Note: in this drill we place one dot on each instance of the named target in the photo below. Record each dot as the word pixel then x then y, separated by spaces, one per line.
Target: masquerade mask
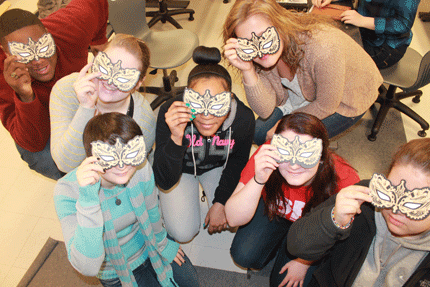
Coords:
pixel 305 154
pixel 218 105
pixel 43 48
pixel 131 153
pixel 123 79
pixel 415 204
pixel 267 43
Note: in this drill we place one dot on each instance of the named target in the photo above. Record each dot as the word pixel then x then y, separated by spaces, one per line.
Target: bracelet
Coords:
pixel 337 224
pixel 260 183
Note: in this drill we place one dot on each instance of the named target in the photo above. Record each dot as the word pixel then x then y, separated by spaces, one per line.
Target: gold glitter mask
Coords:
pixel 267 43
pixel 42 48
pixel 305 154
pixel 415 204
pixel 123 78
pixel 218 105
pixel 132 153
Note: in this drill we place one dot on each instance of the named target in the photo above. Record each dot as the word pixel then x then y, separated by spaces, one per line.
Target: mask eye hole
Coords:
pixel 306 154
pixel 248 51
pixel 122 80
pixel 383 196
pixel 411 205
pixel 107 157
pixel 103 70
pixel 283 151
pixel 132 154
pixel 217 107
pixel 25 54
pixel 267 45
pixel 43 49
pixel 195 105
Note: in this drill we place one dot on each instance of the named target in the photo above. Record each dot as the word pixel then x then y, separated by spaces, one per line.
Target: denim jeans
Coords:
pixel 41 161
pixel 145 275
pixel 385 56
pixel 263 126
pixel 259 241
pixel 335 124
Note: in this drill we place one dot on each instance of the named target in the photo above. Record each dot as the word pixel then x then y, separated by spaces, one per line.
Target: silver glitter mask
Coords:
pixel 305 154
pixel 132 153
pixel 42 48
pixel 267 43
pixel 218 105
pixel 415 204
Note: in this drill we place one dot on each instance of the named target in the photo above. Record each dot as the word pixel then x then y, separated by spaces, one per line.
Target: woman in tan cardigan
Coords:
pixel 298 62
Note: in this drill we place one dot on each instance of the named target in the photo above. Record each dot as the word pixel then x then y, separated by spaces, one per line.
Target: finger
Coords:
pixel 91 76
pixel 84 70
pixel 284 282
pixel 177 261
pixel 285 267
pixel 181 251
pixel 207 218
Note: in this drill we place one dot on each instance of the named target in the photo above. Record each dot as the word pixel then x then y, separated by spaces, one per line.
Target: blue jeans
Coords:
pixel 41 161
pixel 335 124
pixel 146 276
pixel 259 241
pixel 263 126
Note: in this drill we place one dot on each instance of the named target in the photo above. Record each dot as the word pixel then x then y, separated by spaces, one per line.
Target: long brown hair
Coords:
pixel 290 25
pixel 323 185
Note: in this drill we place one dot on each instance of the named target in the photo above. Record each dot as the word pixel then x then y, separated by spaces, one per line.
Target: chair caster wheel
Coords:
pixel 416 99
pixel 422 133
pixel 371 138
pixel 191 18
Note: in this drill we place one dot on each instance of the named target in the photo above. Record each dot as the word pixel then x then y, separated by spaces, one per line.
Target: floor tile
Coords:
pixel 19 229
pixel 43 229
pixel 13 277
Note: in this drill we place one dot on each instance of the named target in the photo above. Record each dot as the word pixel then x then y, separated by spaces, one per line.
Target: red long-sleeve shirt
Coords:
pixel 74 28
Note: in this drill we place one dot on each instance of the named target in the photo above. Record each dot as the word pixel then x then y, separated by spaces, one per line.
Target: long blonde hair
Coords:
pixel 290 25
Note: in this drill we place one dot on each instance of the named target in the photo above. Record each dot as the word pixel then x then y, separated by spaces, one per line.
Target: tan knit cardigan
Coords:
pixel 335 75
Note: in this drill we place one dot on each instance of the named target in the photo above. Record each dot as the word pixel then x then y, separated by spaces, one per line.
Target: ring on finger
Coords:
pixel 14 75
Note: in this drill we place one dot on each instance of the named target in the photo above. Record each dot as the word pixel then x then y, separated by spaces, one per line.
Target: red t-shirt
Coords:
pixel 295 198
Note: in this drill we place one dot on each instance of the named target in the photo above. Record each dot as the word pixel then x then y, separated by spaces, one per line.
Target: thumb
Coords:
pixel 206 221
pixel 284 268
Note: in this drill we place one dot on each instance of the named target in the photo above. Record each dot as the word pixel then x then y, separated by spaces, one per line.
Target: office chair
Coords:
pixel 169 49
pixel 164 14
pixel 411 73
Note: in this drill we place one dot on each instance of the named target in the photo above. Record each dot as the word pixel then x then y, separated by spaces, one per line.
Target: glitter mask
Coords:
pixel 43 48
pixel 267 43
pixel 123 78
pixel 305 154
pixel 218 105
pixel 132 153
pixel 415 204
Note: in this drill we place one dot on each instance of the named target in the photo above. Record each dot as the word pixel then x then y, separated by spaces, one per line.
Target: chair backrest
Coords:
pixel 423 74
pixel 129 17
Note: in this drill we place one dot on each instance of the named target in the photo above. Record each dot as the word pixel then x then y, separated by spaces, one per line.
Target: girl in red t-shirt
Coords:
pixel 282 180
